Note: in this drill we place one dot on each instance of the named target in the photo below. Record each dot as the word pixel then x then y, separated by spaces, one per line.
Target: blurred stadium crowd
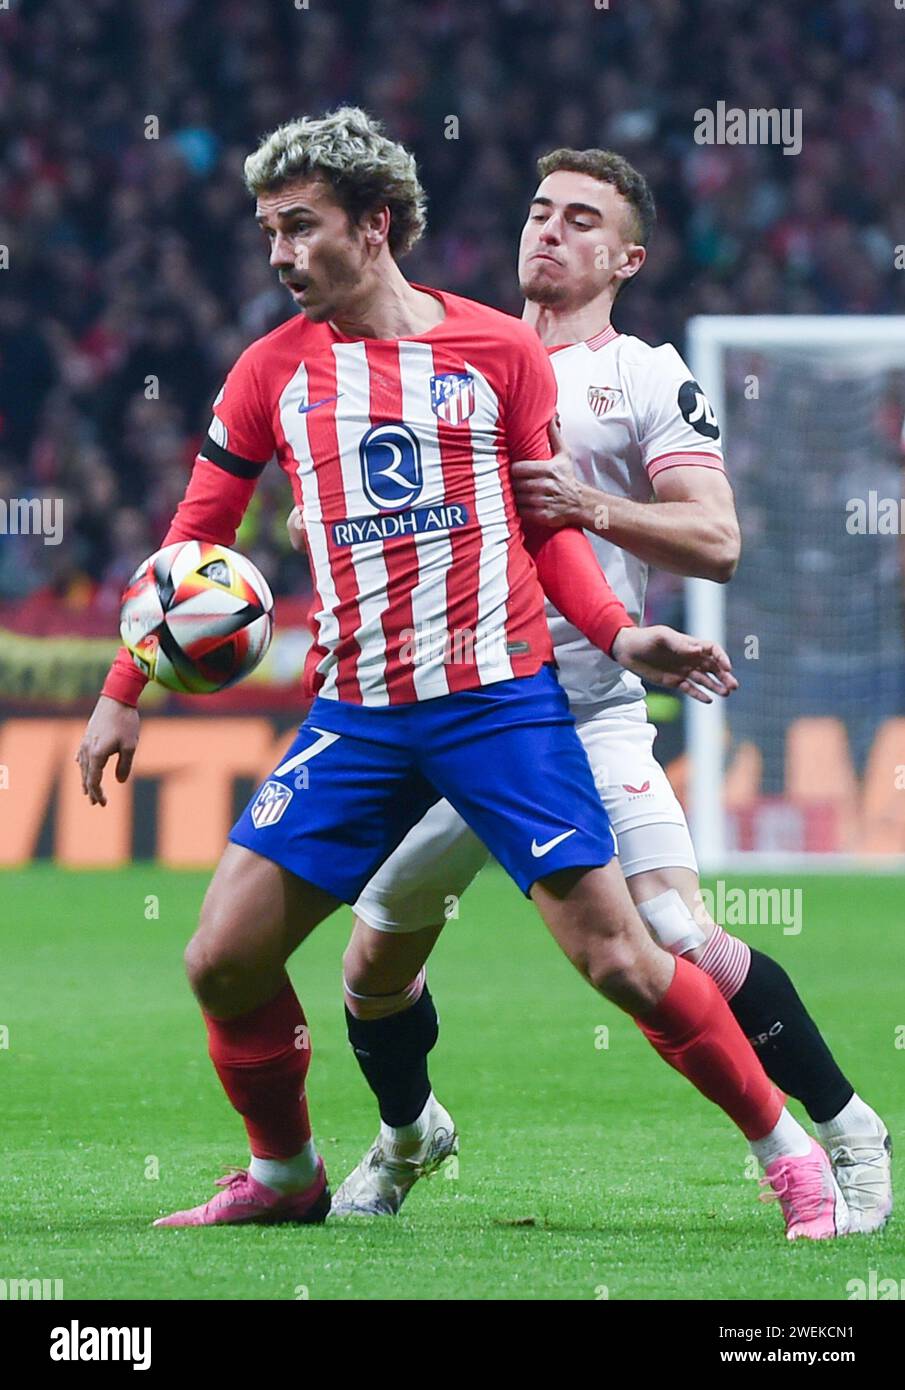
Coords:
pixel 135 258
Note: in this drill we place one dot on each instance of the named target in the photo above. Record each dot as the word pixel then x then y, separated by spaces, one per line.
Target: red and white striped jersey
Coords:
pixel 398 452
pixel 627 412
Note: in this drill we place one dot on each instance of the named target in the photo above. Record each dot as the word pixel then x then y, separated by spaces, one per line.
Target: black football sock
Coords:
pixel 788 1041
pixel 392 1053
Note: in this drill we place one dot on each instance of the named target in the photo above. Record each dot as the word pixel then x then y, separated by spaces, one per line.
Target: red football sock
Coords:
pixel 694 1030
pixel 262 1060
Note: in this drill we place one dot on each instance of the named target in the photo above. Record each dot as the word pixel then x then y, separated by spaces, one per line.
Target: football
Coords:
pixel 196 617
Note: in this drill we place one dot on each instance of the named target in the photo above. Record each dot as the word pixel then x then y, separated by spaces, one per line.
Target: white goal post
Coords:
pixel 810 409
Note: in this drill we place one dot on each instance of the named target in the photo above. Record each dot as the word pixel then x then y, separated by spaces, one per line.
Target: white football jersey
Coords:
pixel 627 412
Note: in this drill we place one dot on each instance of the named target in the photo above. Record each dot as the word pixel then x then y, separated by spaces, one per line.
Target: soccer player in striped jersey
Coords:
pixel 398 411
pixel 642 472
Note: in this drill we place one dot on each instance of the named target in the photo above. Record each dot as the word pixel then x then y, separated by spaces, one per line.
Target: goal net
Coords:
pixel 806 763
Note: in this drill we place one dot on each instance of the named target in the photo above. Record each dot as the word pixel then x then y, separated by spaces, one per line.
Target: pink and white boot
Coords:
pixel 812 1203
pixel 243 1199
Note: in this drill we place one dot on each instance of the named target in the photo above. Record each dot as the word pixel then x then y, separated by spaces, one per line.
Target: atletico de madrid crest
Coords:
pixel 602 398
pixel 453 396
pixel 269 804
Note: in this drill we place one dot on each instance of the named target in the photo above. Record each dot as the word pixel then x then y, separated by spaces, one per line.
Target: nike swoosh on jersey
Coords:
pixel 303 408
pixel 540 850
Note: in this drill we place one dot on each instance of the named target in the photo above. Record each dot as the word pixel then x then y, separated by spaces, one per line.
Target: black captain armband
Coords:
pixel 230 463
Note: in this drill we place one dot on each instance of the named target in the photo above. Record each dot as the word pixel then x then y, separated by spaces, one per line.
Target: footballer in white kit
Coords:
pixel 641 471
pixel 628 412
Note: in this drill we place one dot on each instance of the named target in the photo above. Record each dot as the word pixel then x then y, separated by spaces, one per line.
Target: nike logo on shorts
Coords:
pixel 540 850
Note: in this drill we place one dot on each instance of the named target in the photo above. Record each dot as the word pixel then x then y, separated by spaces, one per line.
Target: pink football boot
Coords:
pixel 243 1198
pixel 812 1204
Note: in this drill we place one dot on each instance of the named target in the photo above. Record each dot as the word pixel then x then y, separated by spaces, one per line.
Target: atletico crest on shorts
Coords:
pixel 602 398
pixel 453 396
pixel 270 803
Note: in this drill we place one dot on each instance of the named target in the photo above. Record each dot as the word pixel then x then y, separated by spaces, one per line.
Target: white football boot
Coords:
pixel 388 1171
pixel 863 1169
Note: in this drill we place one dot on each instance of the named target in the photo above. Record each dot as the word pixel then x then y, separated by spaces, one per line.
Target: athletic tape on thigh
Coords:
pixel 671 922
pixel 371 1006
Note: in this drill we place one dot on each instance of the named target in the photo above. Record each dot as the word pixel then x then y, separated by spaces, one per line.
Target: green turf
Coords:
pixel 581 1168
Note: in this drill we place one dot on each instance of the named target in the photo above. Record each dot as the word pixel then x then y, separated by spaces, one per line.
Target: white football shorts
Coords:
pixel 422 880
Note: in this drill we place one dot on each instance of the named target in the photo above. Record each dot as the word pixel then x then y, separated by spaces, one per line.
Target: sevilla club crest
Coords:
pixel 602 398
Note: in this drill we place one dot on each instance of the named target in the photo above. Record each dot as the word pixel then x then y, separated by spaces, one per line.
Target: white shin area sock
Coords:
pixel 854 1118
pixel 413 1133
pixel 786 1139
pixel 287 1174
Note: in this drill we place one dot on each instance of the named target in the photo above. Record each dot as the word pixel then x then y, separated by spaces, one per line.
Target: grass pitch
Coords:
pixel 587 1170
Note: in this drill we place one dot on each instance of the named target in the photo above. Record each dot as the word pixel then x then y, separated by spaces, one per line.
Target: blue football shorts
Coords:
pixel 357 778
